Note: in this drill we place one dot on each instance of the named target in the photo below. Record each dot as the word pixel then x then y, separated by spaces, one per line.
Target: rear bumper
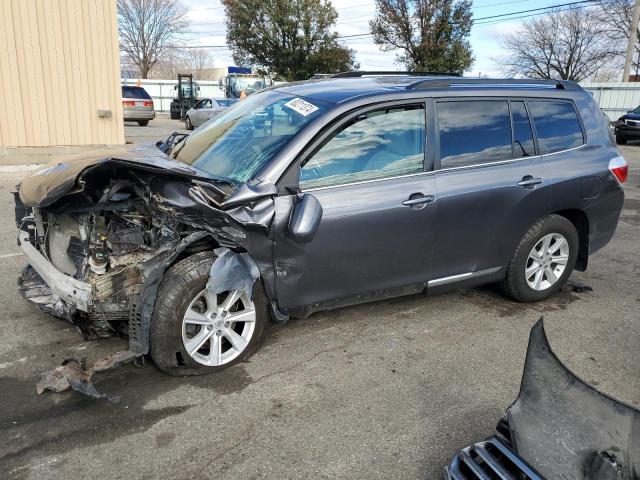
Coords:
pixel 73 292
pixel 135 115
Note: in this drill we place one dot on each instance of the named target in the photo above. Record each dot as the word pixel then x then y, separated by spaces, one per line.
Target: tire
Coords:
pixel 143 123
pixel 516 285
pixel 620 140
pixel 187 123
pixel 177 291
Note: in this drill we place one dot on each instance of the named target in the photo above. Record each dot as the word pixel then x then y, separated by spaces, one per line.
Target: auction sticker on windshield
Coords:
pixel 301 106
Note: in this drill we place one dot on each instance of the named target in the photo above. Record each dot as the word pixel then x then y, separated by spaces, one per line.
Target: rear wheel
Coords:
pixel 143 123
pixel 195 332
pixel 543 260
pixel 620 140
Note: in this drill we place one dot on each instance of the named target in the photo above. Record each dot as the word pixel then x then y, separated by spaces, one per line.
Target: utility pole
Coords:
pixel 632 41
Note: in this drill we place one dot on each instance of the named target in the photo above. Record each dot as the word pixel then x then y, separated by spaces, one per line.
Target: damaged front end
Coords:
pixel 559 427
pixel 99 233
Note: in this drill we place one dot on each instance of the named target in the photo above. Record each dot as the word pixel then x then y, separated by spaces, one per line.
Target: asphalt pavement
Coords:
pixel 390 389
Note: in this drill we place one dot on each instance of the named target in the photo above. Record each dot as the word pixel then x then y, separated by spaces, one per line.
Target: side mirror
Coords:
pixel 305 219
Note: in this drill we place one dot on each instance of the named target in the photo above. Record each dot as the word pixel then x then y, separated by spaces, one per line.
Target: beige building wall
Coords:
pixel 59 73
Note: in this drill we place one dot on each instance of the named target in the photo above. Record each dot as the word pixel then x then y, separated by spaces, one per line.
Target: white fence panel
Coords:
pixel 163 91
pixel 614 98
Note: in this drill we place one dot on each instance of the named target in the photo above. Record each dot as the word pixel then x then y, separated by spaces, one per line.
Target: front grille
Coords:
pixel 632 123
pixel 491 459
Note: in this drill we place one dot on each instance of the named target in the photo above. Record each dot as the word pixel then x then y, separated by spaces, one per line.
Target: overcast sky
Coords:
pixel 207 28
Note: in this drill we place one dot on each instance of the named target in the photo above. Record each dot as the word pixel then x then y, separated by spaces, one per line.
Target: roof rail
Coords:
pixel 362 73
pixel 494 82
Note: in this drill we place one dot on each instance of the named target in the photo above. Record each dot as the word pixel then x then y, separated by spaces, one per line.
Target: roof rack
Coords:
pixel 493 82
pixel 362 73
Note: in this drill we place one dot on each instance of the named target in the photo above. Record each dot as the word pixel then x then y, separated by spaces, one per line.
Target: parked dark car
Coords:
pixel 317 195
pixel 137 105
pixel 558 427
pixel 628 127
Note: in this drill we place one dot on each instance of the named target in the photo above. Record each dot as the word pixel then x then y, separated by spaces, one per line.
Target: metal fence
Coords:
pixel 163 91
pixel 614 98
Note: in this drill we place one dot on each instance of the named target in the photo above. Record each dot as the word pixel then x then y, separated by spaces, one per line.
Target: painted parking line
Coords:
pixel 11 255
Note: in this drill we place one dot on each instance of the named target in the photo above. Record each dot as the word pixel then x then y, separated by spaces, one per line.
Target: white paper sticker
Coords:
pixel 301 106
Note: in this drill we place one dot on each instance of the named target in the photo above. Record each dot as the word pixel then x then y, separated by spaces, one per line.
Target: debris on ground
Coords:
pixel 75 374
pixel 575 286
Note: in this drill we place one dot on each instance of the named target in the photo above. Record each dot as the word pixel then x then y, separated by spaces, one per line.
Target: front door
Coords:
pixel 379 208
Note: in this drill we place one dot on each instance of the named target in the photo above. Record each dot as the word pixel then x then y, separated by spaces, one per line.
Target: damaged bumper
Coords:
pixel 73 292
pixel 559 427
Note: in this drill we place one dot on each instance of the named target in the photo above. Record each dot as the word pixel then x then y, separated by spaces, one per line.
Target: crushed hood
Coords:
pixel 46 185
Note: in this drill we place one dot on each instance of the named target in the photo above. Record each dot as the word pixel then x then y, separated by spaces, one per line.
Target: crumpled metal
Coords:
pixel 75 374
pixel 232 271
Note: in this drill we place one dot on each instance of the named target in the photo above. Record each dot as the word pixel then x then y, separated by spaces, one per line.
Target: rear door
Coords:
pixel 379 208
pixel 491 185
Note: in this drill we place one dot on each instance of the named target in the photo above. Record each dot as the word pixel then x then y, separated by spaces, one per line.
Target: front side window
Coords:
pixel 382 143
pixel 474 132
pixel 557 125
pixel 522 133
pixel 246 136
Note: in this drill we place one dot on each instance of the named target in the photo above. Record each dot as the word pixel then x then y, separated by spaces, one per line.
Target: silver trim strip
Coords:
pixel 72 291
pixel 462 276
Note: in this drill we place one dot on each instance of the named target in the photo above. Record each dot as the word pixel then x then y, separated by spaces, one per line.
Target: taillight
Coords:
pixel 128 103
pixel 148 104
pixel 619 167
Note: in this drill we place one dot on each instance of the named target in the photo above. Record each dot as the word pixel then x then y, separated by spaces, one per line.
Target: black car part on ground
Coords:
pixel 125 223
pixel 559 427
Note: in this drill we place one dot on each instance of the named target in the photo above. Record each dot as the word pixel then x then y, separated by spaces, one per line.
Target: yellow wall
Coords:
pixel 59 65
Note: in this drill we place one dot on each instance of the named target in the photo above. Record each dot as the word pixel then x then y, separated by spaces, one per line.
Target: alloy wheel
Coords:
pixel 218 328
pixel 547 261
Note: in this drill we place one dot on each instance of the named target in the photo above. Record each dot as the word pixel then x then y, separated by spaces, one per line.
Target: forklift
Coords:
pixel 186 96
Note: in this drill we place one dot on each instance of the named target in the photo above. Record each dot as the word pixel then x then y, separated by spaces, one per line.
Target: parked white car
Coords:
pixel 205 109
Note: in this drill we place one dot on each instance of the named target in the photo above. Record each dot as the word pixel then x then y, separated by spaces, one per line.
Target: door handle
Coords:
pixel 529 181
pixel 419 200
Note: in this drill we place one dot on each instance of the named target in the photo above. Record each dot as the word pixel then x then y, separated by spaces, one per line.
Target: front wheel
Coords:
pixel 543 260
pixel 193 331
pixel 620 140
pixel 187 123
pixel 143 123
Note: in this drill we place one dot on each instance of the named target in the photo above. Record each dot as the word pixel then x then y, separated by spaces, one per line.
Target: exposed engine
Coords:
pixel 105 249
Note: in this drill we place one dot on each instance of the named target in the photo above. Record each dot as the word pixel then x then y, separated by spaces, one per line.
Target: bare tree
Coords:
pixel 198 59
pixel 615 16
pixel 565 44
pixel 149 29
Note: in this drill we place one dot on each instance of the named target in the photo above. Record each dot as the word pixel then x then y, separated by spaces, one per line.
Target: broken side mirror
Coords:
pixel 305 219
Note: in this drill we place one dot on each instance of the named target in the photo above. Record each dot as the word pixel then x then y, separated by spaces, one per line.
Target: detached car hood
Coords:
pixel 46 185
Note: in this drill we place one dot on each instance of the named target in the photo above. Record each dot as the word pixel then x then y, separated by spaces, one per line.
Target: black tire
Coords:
pixel 143 123
pixel 180 285
pixel 515 284
pixel 187 123
pixel 620 140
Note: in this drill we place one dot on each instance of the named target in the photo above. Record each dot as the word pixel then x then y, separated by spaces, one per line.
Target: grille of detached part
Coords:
pixel 491 459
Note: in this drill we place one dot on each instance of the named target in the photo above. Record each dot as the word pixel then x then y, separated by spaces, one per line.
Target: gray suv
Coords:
pixel 317 195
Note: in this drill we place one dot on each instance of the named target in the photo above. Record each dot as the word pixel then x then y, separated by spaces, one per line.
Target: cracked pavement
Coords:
pixel 388 389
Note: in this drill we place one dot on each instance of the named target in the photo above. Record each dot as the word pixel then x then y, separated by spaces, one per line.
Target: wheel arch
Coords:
pixel 580 221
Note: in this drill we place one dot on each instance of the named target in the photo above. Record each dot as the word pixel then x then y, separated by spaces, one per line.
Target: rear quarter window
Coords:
pixel 557 125
pixel 135 92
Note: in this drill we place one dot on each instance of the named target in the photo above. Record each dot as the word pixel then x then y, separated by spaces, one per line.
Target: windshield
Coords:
pixel 248 85
pixel 246 136
pixel 637 110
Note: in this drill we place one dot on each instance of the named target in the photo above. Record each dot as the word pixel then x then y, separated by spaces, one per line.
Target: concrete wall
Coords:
pixel 614 98
pixel 59 73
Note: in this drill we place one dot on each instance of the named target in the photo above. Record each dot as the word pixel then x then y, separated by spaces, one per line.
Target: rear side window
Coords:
pixel 378 144
pixel 522 134
pixel 557 125
pixel 135 92
pixel 473 132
